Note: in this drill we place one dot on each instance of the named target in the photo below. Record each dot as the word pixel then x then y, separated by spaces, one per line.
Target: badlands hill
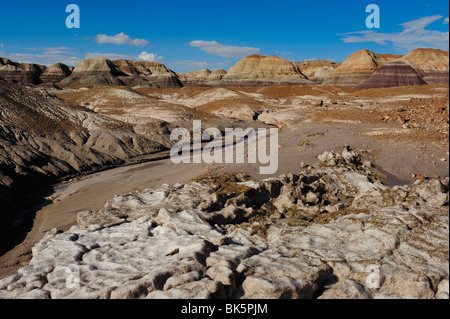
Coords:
pixel 55 73
pixel 153 72
pixel 431 65
pixel 44 139
pixel 91 72
pixel 21 72
pixel 101 71
pixel 96 71
pixel 317 70
pixel 203 77
pixel 396 73
pixel 434 64
pixel 358 67
pixel 257 69
pixel 195 77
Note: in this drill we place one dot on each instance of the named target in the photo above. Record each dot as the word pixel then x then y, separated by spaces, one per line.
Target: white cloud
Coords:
pixel 45 59
pixel 120 39
pixel 284 53
pixel 54 52
pixel 138 42
pixel 189 65
pixel 46 56
pixel 49 49
pixel 446 21
pixel 414 35
pixel 225 51
pixel 144 56
pixel 310 59
pixel 150 57
pixel 109 56
pixel 2 45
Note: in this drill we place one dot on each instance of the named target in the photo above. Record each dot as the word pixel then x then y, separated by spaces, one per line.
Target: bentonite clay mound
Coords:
pixel 203 77
pixel 157 74
pixel 317 71
pixel 98 71
pixel 397 73
pixel 55 73
pixel 101 71
pixel 358 67
pixel 25 73
pixel 433 62
pixel 321 233
pixel 256 69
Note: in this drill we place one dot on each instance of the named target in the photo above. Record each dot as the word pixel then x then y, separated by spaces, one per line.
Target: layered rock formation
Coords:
pixel 26 73
pixel 358 67
pixel 55 73
pixel 203 77
pixel 397 73
pixel 193 78
pixel 91 72
pixel 317 71
pixel 128 67
pixel 331 231
pixel 97 71
pixel 101 71
pixel 158 74
pixel 216 75
pixel 432 65
pixel 433 62
pixel 137 73
pixel 43 139
pixel 259 70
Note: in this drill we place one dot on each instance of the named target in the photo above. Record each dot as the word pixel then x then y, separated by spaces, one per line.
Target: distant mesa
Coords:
pixel 430 65
pixel 396 73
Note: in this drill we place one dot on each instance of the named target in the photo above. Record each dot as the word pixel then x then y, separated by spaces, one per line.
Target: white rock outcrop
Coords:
pixel 331 231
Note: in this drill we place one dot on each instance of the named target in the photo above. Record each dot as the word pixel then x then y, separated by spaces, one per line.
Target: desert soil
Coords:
pixel 398 131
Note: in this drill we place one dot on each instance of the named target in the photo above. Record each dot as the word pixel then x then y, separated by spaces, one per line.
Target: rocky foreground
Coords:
pixel 316 234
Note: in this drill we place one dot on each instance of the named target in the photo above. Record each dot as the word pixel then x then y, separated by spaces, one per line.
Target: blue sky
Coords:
pixel 187 35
